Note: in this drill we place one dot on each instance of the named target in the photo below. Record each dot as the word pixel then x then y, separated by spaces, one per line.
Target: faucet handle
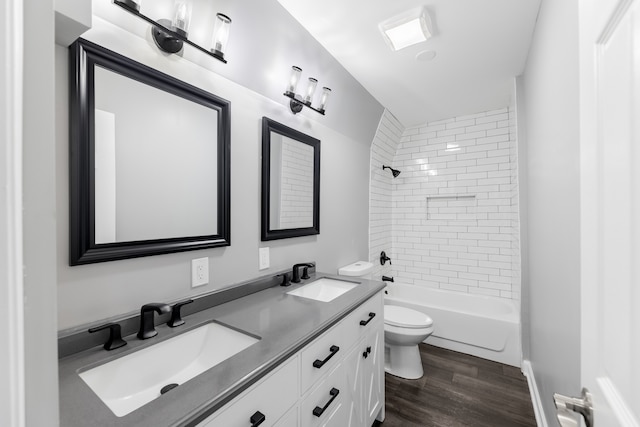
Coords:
pixel 115 336
pixel 305 273
pixel 285 279
pixel 176 318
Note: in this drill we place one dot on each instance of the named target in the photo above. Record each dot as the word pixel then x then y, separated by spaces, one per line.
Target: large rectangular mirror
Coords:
pixel 290 182
pixel 149 166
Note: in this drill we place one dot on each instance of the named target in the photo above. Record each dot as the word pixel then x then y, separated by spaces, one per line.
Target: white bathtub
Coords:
pixel 472 324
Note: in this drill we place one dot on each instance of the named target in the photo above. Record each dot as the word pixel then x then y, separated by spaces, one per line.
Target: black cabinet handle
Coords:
pixel 318 411
pixel 367 352
pixel 332 351
pixel 366 322
pixel 257 419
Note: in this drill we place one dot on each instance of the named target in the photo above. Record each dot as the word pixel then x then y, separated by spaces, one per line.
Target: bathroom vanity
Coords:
pixel 313 363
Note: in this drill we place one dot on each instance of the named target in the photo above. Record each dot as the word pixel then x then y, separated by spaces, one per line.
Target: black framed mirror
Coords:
pixel 149 160
pixel 290 182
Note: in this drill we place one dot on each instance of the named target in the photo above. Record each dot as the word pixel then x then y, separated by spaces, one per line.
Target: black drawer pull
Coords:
pixel 320 363
pixel 366 322
pixel 318 411
pixel 257 419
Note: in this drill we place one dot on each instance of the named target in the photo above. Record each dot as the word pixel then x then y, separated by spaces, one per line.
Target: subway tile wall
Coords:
pixel 296 183
pixel 454 208
pixel 383 150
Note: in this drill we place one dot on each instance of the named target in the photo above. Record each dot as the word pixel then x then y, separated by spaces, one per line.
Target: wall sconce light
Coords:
pixel 171 35
pixel 297 101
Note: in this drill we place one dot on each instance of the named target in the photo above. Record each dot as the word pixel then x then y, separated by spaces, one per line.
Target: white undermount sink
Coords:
pixel 323 289
pixel 134 380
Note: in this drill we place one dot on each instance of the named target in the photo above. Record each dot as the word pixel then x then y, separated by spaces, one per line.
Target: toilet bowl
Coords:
pixel 404 329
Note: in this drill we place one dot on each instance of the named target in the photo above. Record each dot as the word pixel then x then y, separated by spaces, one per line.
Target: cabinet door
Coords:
pixel 373 376
pixel 270 399
pixel 290 419
pixel 354 371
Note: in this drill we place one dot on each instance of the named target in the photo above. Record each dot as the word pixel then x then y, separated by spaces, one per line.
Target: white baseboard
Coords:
pixel 527 370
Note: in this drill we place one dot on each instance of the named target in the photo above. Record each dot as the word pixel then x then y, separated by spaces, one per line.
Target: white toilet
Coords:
pixel 404 329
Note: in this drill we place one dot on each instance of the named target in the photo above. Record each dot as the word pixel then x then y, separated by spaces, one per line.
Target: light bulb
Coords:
pixel 293 80
pixel 181 17
pixel 220 34
pixel 325 96
pixel 311 89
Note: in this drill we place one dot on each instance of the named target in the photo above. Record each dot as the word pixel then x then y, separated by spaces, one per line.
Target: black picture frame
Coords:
pixel 267 233
pixel 84 56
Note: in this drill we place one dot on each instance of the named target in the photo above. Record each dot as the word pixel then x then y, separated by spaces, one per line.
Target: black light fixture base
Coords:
pixel 166 41
pixel 128 4
pixel 218 55
pixel 297 103
pixel 164 26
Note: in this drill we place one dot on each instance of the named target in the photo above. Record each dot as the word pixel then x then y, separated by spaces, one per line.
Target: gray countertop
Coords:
pixel 284 323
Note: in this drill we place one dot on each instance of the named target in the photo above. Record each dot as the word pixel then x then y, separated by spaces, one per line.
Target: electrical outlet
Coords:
pixel 199 272
pixel 264 258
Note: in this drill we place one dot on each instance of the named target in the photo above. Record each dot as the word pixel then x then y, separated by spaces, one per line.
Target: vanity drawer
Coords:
pixel 271 397
pixel 340 336
pixel 371 313
pixel 334 408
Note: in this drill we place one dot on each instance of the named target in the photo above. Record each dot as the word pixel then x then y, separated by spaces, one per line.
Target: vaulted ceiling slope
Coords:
pixel 479 45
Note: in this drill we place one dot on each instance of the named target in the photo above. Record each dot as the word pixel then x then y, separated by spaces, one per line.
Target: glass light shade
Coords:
pixel 326 92
pixel 294 79
pixel 181 17
pixel 311 89
pixel 220 34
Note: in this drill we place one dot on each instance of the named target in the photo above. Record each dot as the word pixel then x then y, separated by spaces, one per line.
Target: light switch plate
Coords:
pixel 199 272
pixel 264 258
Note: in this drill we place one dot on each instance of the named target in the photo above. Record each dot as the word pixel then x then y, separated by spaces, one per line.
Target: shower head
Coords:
pixel 395 172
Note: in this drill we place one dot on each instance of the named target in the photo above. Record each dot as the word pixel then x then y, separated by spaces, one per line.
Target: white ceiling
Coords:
pixel 480 46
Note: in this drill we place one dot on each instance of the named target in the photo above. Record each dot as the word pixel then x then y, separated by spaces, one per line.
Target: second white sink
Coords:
pixel 134 380
pixel 323 289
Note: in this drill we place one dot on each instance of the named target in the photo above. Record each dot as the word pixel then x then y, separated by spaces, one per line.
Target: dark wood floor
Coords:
pixel 458 390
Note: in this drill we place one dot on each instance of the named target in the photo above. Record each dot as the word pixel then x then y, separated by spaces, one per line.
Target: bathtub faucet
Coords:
pixel 387 279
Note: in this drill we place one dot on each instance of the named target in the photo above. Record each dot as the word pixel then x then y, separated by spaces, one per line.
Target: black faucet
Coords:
pixel 387 279
pixel 147 324
pixel 295 275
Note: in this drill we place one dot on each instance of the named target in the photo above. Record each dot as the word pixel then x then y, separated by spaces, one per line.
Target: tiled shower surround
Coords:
pixel 450 220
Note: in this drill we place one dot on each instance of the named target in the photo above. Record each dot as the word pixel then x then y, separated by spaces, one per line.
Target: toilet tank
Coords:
pixel 357 269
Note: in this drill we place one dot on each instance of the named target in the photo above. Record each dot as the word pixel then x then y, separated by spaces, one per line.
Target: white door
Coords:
pixel 610 208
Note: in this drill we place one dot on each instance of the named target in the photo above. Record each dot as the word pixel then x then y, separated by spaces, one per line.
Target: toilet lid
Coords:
pixel 405 317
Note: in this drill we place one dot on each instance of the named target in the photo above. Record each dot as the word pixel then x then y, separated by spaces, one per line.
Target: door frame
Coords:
pixel 12 375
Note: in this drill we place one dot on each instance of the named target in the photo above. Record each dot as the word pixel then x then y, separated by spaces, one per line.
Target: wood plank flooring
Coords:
pixel 458 390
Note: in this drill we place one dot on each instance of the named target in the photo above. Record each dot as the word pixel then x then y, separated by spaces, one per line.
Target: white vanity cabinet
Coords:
pixel 335 381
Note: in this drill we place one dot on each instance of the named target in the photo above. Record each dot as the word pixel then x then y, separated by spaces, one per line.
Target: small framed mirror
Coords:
pixel 149 160
pixel 290 182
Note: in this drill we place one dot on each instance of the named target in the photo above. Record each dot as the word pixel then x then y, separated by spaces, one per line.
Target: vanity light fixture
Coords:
pixel 297 101
pixel 395 172
pixel 171 34
pixel 407 29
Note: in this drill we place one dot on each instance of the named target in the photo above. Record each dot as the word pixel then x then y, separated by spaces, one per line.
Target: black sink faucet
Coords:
pixel 147 324
pixel 295 275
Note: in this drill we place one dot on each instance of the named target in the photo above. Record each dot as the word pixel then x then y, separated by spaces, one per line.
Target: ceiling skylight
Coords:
pixel 405 30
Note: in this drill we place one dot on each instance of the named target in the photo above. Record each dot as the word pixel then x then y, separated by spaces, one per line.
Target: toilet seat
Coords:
pixel 405 317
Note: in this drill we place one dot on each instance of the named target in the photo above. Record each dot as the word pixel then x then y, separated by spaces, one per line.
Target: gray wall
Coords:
pixel 39 217
pixel 91 293
pixel 551 148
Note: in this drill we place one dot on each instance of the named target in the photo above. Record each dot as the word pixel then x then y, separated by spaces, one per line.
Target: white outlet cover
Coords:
pixel 199 272
pixel 263 258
